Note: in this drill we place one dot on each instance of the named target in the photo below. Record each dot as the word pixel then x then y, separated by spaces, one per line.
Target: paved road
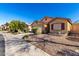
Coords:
pixel 15 46
pixel 2 45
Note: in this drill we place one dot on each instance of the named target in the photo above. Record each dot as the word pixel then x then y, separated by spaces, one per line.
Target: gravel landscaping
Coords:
pixel 55 45
pixel 38 45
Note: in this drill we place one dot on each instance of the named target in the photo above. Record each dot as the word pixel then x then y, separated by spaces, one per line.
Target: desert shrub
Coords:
pixel 25 36
pixel 36 30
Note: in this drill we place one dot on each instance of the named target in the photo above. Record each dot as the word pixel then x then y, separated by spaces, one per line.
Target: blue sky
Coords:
pixel 29 12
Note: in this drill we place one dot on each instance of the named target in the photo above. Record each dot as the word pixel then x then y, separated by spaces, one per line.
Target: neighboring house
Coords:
pixel 30 28
pixel 36 23
pixel 37 27
pixel 4 27
pixel 0 28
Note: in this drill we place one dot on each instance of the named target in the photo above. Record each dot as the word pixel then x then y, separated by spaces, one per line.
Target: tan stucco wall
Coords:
pixel 67 24
pixel 75 28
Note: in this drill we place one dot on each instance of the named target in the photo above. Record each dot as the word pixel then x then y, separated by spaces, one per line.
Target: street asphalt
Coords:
pixel 2 45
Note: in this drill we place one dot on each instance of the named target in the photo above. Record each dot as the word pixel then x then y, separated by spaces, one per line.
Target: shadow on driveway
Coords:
pixel 2 45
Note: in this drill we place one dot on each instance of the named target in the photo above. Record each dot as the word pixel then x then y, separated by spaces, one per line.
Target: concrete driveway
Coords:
pixel 2 45
pixel 16 46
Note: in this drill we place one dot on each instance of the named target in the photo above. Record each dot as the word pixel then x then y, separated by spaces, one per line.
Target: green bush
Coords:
pixel 37 30
pixel 16 25
pixel 34 29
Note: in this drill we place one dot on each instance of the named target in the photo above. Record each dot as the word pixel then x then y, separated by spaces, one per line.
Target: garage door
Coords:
pixel 57 26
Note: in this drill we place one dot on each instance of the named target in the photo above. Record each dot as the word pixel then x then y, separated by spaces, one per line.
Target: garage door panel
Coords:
pixel 57 26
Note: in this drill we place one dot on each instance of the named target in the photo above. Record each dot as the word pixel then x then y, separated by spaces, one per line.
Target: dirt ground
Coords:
pixel 55 45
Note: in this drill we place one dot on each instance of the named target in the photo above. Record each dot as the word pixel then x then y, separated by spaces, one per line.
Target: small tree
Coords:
pixel 16 26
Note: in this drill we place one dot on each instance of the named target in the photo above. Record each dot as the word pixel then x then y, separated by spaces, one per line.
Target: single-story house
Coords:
pixel 62 25
pixel 30 28
pixel 57 24
pixel 4 27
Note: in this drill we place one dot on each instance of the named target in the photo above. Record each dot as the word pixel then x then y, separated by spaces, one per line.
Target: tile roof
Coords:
pixel 46 19
pixel 69 20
